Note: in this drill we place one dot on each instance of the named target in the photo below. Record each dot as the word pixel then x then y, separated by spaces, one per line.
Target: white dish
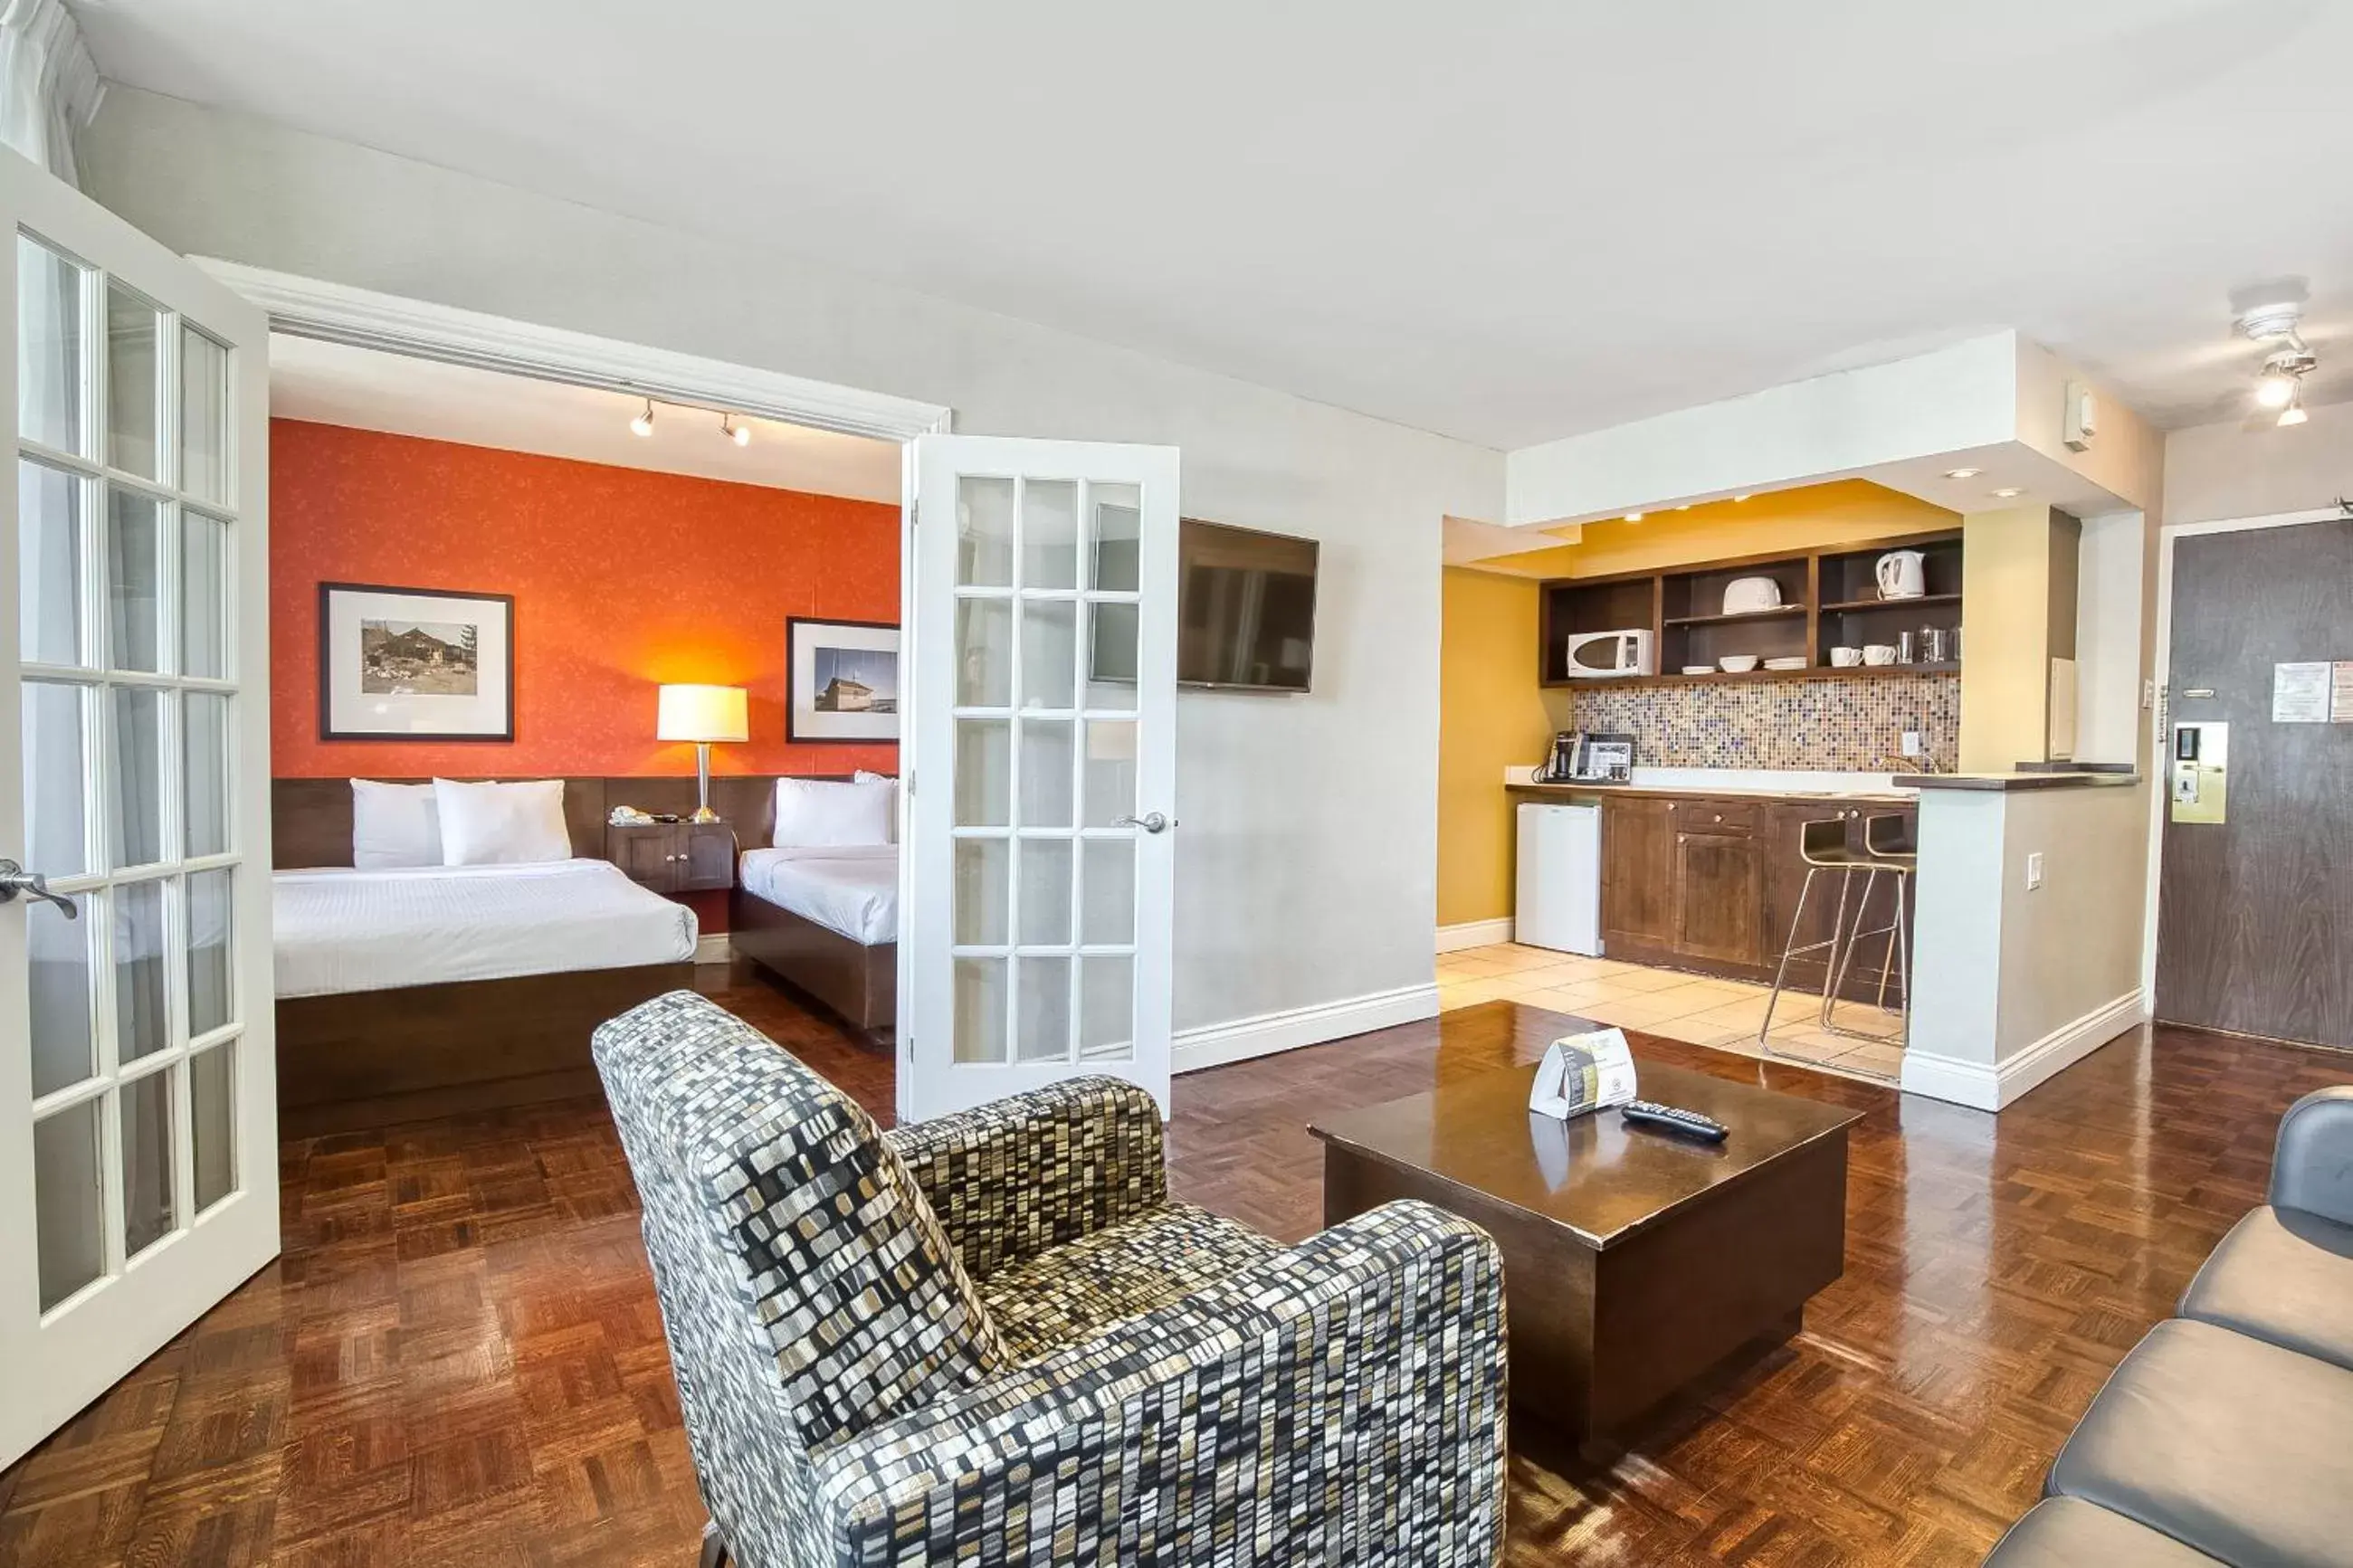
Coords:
pixel 1795 662
pixel 1737 663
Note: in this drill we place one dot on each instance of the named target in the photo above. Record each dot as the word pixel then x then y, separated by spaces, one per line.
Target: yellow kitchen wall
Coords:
pixel 1491 717
pixel 2010 583
pixel 1813 517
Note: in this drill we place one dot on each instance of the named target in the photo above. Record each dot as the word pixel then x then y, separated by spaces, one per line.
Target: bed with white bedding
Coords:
pixel 851 890
pixel 339 930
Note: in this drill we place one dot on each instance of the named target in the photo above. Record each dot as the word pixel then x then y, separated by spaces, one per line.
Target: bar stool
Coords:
pixel 1887 839
pixel 1823 847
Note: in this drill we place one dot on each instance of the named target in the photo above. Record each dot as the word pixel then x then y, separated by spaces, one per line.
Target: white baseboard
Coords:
pixel 1214 1044
pixel 1474 933
pixel 711 947
pixel 1989 1086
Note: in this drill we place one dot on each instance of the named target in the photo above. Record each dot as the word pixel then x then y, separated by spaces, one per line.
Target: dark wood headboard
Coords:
pixel 311 819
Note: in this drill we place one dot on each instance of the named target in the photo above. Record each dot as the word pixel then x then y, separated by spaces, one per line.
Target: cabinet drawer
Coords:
pixel 1707 815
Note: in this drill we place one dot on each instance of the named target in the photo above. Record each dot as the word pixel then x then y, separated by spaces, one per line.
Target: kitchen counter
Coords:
pixel 2092 778
pixel 1892 796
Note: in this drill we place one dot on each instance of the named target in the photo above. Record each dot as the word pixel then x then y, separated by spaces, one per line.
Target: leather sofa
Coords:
pixel 2226 1436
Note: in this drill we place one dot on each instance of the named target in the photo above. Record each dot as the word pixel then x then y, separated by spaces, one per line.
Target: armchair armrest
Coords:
pixel 1016 1176
pixel 1340 1401
pixel 2312 1165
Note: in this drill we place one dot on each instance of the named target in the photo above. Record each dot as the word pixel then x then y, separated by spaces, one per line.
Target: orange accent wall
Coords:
pixel 622 580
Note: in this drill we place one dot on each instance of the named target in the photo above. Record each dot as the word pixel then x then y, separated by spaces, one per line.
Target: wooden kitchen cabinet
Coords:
pixel 1637 874
pixel 1719 896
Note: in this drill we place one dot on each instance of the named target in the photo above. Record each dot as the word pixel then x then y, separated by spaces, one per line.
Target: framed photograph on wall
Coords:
pixel 414 664
pixel 844 681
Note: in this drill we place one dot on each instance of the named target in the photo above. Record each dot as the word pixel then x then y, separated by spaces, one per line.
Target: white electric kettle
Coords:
pixel 1900 575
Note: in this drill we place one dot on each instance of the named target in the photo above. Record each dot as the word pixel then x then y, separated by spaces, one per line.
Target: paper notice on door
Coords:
pixel 2340 692
pixel 2300 692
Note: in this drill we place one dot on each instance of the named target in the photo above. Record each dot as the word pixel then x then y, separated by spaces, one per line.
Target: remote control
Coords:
pixel 1674 1119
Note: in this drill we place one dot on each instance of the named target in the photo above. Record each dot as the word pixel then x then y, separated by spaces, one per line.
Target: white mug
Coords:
pixel 1846 657
pixel 1879 653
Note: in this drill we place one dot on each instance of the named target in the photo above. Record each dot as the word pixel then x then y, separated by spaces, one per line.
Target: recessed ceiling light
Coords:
pixel 1633 517
pixel 1742 496
pixel 1963 473
pixel 1685 507
pixel 2009 490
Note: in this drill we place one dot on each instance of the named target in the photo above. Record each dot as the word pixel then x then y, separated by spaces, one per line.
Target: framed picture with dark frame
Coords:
pixel 842 680
pixel 414 664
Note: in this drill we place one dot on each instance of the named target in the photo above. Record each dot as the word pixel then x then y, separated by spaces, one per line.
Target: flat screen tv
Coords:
pixel 1245 608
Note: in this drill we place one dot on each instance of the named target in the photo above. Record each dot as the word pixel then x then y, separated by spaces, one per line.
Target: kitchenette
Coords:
pixel 1754 786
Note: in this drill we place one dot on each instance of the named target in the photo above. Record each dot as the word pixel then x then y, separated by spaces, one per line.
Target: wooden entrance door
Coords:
pixel 2255 912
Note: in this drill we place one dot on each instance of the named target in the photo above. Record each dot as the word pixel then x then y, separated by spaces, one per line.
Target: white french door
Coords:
pixel 1037 884
pixel 138 1118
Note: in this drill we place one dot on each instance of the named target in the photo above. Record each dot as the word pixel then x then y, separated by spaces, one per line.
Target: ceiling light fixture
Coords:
pixel 1741 497
pixel 1963 473
pixel 2280 382
pixel 643 424
pixel 1633 517
pixel 739 433
pixel 2007 491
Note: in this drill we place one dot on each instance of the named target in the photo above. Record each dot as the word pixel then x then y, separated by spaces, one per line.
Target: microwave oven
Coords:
pixel 1595 654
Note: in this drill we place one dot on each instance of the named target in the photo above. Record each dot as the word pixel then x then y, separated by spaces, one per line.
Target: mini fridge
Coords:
pixel 1559 878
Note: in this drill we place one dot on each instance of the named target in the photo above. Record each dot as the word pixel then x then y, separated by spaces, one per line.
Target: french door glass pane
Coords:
pixel 984 531
pixel 137 806
pixel 1109 918
pixel 1045 893
pixel 55 796
pixel 133 333
pixel 981 881
pixel 203 416
pixel 203 565
pixel 1050 533
pixel 1110 771
pixel 69 1221
pixel 133 580
pixel 1116 528
pixel 142 1022
pixel 984 653
pixel 984 773
pixel 57 950
pixel 147 1206
pixel 49 559
pixel 1049 635
pixel 979 1009
pixel 1045 772
pixel 1043 1032
pixel 203 726
pixel 50 364
pixel 1111 658
pixel 210 911
pixel 1107 1008
pixel 212 1123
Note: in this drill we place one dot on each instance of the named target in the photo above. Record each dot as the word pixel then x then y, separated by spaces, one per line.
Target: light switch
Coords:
pixel 2034 871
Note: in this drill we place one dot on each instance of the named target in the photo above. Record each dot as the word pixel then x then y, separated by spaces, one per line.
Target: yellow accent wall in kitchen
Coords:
pixel 1812 517
pixel 1491 717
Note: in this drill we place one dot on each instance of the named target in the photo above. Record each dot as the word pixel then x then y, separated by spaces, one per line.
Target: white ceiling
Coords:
pixel 1508 221
pixel 370 390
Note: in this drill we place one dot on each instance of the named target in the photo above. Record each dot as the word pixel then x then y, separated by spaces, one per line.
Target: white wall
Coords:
pixel 1306 871
pixel 2109 721
pixel 2216 473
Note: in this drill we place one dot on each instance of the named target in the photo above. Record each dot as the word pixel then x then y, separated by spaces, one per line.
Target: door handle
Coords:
pixel 16 880
pixel 1151 822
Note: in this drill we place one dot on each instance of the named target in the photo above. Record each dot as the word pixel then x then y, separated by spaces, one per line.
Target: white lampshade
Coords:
pixel 702 713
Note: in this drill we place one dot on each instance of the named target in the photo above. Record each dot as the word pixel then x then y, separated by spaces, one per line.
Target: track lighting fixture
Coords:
pixel 2294 413
pixel 739 433
pixel 2280 382
pixel 643 424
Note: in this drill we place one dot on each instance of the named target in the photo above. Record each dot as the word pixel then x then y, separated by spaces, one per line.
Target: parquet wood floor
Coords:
pixel 458 1359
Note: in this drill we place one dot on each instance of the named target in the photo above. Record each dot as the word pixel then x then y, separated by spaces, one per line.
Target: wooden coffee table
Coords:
pixel 1633 1261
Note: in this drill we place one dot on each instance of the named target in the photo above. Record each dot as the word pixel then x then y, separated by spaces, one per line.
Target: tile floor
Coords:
pixel 1722 1014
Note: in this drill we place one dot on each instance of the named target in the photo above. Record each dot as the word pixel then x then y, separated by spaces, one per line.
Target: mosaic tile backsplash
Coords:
pixel 1834 722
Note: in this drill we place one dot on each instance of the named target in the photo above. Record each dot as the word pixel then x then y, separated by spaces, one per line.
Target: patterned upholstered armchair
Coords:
pixel 993 1339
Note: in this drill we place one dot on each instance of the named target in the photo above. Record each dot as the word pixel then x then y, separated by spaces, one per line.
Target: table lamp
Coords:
pixel 702 714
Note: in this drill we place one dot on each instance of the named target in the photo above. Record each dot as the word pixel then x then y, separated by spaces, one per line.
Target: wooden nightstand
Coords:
pixel 674 856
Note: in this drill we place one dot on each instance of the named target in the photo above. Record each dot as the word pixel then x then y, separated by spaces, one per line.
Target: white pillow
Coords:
pixel 502 824
pixel 865 776
pixel 393 825
pixel 823 812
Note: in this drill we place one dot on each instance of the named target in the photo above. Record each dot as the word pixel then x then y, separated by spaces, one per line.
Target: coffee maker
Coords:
pixel 1578 757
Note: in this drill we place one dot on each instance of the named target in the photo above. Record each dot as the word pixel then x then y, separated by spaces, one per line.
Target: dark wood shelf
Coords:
pixel 1853 606
pixel 1778 613
pixel 1811 672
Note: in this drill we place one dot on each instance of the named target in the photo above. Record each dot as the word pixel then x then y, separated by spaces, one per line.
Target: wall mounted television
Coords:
pixel 1245 608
